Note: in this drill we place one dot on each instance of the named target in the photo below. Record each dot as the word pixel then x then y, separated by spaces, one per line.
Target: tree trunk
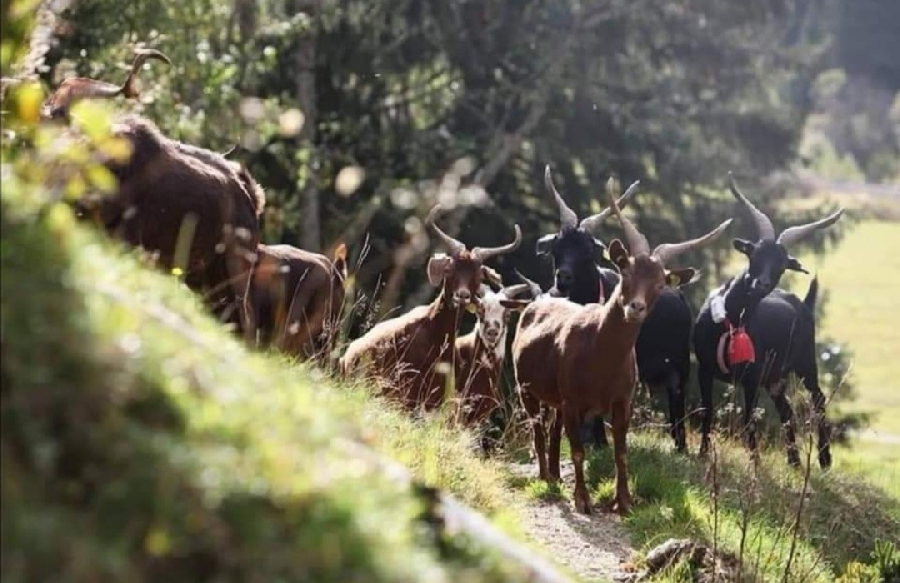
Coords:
pixel 304 65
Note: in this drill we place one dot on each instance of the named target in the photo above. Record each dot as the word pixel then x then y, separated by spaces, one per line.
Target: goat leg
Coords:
pixel 751 393
pixel 788 424
pixel 675 383
pixel 822 425
pixel 621 417
pixel 705 380
pixel 572 424
pixel 533 410
pixel 555 438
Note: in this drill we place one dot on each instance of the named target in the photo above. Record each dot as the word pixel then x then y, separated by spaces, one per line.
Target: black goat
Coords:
pixel 663 346
pixel 781 329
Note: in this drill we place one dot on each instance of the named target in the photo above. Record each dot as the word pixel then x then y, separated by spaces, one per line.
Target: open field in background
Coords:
pixel 860 280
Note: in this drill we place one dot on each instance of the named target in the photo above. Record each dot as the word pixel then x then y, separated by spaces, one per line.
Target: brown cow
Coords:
pixel 580 359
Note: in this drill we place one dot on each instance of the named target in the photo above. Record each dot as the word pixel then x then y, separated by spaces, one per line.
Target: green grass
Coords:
pixel 842 519
pixel 133 421
pixel 862 279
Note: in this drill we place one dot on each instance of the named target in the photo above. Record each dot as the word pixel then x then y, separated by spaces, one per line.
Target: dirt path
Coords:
pixel 592 547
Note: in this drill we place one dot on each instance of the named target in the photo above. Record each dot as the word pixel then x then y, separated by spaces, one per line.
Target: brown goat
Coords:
pixel 480 353
pixel 297 297
pixel 410 356
pixel 192 207
pixel 580 359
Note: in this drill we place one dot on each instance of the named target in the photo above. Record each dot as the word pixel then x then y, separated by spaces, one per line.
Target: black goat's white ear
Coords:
pixel 544 244
pixel 437 269
pixel 744 246
pixel 794 265
pixel 681 277
pixel 618 255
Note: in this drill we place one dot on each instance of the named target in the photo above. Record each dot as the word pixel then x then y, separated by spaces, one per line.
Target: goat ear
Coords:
pixel 680 277
pixel 744 246
pixel 492 277
pixel 618 254
pixel 794 265
pixel 515 305
pixel 544 244
pixel 437 268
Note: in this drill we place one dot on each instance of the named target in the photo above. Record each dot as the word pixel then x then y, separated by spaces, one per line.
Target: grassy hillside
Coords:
pixel 756 509
pixel 130 418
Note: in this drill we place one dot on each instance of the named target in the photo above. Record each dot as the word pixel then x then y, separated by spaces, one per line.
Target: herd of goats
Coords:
pixel 579 348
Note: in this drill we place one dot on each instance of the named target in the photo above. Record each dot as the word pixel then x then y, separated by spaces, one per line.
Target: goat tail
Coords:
pixel 812 294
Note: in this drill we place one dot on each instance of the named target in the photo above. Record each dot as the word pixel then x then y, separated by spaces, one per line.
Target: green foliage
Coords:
pixel 130 418
pixel 884 568
pixel 671 95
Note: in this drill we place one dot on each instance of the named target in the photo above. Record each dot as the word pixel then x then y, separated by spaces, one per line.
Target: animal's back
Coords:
pixel 385 342
pixel 536 352
pixel 297 295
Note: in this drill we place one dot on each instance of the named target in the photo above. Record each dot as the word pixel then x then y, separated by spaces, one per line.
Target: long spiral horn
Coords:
pixel 567 217
pixel 485 253
pixel 794 234
pixel 455 247
pixel 593 222
pixel 667 251
pixel 763 224
pixel 637 243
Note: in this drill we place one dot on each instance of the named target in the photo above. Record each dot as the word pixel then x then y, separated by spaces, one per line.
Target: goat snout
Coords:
pixel 564 278
pixel 462 297
pixel 491 335
pixel 761 284
pixel 635 310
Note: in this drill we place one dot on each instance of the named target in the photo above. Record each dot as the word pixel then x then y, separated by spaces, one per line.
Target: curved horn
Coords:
pixel 567 217
pixel 532 285
pixel 637 243
pixel 485 253
pixel 594 221
pixel 230 150
pixel 140 57
pixel 77 88
pixel 794 234
pixel 667 251
pixel 455 247
pixel 763 225
pixel 511 291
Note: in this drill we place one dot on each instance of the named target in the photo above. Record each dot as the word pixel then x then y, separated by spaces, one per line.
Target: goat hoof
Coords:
pixel 793 459
pixel 825 459
pixel 622 507
pixel 583 505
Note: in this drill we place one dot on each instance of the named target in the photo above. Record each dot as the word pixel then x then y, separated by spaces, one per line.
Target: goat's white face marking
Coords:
pixel 491 323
